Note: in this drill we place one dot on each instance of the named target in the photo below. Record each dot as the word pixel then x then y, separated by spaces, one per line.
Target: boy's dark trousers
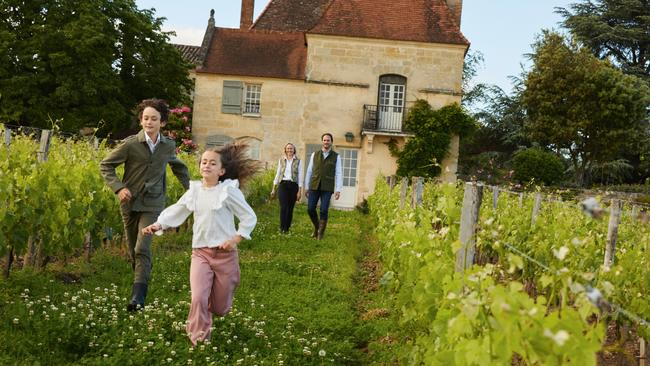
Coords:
pixel 139 251
pixel 287 194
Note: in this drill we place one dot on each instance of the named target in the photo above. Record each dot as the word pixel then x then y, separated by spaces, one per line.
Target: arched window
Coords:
pixel 254 146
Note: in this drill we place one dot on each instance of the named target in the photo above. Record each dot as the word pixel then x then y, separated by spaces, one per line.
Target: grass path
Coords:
pixel 300 302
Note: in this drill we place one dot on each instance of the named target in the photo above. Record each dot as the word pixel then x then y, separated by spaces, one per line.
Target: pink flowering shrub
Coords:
pixel 179 129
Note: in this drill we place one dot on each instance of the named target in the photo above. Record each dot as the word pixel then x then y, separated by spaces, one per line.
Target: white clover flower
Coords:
pixel 561 253
pixel 559 338
pixel 16 320
pixel 322 353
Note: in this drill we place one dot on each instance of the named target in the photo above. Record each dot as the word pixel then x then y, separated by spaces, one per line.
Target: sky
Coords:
pixel 502 30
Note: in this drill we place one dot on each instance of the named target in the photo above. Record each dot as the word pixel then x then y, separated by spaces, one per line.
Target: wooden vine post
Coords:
pixel 10 255
pixel 392 181
pixel 404 189
pixel 416 194
pixel 612 231
pixel 7 135
pixel 34 257
pixel 536 207
pixel 495 197
pixel 472 199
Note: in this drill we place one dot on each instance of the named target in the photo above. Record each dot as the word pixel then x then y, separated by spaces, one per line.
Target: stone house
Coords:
pixel 348 67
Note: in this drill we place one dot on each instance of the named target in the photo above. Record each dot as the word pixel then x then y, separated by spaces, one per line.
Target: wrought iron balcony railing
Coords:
pixel 384 118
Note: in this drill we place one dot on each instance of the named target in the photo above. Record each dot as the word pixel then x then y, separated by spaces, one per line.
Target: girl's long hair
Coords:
pixel 236 162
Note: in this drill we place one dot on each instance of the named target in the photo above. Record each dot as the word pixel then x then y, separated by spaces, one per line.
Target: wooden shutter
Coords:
pixel 232 97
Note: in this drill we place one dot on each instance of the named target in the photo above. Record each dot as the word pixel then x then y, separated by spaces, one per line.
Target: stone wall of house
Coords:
pixel 356 60
pixel 433 73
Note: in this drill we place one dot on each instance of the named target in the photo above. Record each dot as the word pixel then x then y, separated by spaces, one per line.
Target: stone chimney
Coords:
pixel 207 40
pixel 456 7
pixel 247 8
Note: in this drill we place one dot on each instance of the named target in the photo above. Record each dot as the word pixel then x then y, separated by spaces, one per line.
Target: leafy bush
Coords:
pixel 179 129
pixel 537 164
pixel 258 189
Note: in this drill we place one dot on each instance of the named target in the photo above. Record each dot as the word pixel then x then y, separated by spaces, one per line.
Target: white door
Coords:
pixel 391 106
pixel 349 160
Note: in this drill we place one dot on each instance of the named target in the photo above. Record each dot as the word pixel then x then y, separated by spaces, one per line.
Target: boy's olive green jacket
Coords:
pixel 144 172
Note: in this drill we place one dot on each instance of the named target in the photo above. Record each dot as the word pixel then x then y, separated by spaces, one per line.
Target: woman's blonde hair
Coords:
pixel 295 151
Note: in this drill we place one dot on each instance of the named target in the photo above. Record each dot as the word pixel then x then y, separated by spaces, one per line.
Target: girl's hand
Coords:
pixel 231 244
pixel 152 229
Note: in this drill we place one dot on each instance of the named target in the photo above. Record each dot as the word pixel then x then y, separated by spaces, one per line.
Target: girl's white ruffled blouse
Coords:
pixel 214 211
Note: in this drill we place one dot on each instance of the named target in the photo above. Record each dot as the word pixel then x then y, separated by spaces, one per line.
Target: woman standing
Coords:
pixel 288 184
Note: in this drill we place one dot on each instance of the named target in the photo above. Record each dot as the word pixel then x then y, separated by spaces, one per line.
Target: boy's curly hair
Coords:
pixel 157 104
pixel 236 163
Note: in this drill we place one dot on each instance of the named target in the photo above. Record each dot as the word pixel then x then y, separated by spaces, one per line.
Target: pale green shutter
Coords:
pixel 232 97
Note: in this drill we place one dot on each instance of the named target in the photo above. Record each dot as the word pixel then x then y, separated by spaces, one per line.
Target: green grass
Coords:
pixel 300 302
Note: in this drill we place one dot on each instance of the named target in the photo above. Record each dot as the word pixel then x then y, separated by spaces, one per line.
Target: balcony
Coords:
pixel 383 119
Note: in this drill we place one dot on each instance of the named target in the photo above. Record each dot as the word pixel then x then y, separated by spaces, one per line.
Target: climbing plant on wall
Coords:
pixel 433 129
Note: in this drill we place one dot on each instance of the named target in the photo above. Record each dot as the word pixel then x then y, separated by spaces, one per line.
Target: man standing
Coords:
pixel 324 177
pixel 142 189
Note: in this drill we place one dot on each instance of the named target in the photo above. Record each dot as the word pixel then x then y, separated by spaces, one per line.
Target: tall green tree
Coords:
pixel 581 106
pixel 84 63
pixel 613 29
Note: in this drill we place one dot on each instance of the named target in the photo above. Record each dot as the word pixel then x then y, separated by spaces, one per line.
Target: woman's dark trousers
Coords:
pixel 287 192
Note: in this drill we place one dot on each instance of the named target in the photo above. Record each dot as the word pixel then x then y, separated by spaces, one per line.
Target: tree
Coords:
pixel 581 106
pixel 84 63
pixel 433 130
pixel 614 29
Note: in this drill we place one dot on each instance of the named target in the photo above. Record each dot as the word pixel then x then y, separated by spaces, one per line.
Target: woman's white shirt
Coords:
pixel 286 175
pixel 214 211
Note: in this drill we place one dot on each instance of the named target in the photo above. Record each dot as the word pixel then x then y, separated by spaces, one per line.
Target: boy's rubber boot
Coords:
pixel 138 294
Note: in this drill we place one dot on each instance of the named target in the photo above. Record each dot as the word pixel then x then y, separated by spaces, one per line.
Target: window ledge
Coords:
pixel 252 115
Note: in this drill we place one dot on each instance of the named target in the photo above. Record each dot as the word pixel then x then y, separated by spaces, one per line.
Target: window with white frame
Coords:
pixel 252 98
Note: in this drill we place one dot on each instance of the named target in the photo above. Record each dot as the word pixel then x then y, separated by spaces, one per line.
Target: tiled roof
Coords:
pixel 256 53
pixel 190 54
pixel 406 20
pixel 291 15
